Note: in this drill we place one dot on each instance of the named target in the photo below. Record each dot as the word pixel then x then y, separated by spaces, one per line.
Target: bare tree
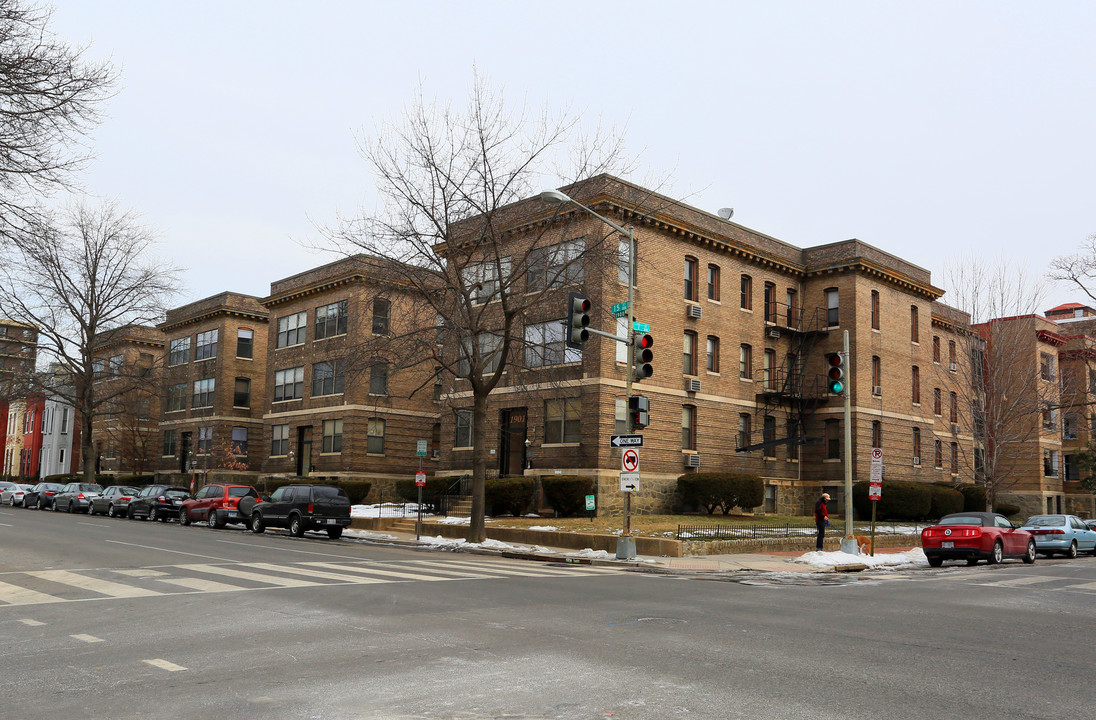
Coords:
pixel 78 283
pixel 999 386
pixel 451 185
pixel 49 99
pixel 1078 269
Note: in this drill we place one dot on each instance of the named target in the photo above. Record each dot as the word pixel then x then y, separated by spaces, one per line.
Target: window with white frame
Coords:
pixel 179 351
pixel 463 429
pixel 291 329
pixel 332 436
pixel 378 378
pixel 329 377
pixel 203 393
pixel 482 279
pixel 176 397
pixel 288 384
pixel 245 343
pixel 330 320
pixel 205 440
pixel 279 443
pixel 555 266
pixel 205 345
pixel 562 421
pixel 374 443
pixel 490 349
pixel 170 443
pixel 239 440
pixel 544 345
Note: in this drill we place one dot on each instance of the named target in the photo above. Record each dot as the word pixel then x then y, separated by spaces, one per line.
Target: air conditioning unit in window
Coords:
pixel 953 367
pixel 692 461
pixel 774 332
pixel 693 311
pixel 877 390
pixel 955 427
pixel 692 385
pixel 916 460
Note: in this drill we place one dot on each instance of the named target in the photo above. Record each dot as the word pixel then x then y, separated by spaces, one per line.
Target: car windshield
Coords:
pixel 962 520
pixel 53 486
pixel 1046 521
pixel 239 492
pixel 127 490
pixel 177 493
pixel 85 487
pixel 328 492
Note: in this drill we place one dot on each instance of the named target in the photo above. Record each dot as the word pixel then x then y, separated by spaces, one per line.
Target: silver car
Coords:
pixel 12 493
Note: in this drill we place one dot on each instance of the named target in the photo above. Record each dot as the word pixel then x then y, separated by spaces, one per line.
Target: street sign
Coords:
pixel 625 441
pixel 876 455
pixel 876 473
pixel 641 327
pixel 420 478
pixel 629 482
pixel 590 502
pixel 420 448
pixel 875 492
pixel 619 309
pixel 629 460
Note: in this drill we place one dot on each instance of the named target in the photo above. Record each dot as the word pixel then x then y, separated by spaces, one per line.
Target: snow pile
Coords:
pixel 543 527
pixel 881 561
pixel 449 520
pixel 385 510
pixel 367 535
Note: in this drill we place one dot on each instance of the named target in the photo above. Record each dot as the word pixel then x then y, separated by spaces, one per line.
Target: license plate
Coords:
pixel 232 513
pixel 177 502
pixel 947 544
pixel 332 522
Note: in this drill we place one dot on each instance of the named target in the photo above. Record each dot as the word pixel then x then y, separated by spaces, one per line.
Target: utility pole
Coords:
pixel 848 543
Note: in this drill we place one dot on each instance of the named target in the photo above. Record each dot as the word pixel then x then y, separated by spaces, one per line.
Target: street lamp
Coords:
pixel 626 544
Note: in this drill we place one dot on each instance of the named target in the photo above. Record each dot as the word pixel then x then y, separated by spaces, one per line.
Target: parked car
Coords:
pixel 974 536
pixel 114 501
pixel 303 507
pixel 76 496
pixel 1066 534
pixel 157 502
pixel 1091 523
pixel 41 495
pixel 13 494
pixel 218 504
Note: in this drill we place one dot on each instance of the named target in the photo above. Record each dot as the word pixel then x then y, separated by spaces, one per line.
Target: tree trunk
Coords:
pixel 477 531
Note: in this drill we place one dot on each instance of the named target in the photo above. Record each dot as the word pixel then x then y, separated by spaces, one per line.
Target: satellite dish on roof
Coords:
pixel 726 213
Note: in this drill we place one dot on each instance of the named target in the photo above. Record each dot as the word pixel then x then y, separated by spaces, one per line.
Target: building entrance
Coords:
pixel 513 424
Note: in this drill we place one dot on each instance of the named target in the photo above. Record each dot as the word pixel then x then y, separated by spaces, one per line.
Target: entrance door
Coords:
pixel 513 424
pixel 304 450
pixel 184 453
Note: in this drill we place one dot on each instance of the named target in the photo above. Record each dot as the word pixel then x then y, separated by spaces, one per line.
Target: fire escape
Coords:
pixel 786 390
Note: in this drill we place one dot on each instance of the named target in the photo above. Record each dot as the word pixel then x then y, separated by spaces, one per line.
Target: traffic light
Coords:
pixel 639 408
pixel 578 319
pixel 642 368
pixel 835 373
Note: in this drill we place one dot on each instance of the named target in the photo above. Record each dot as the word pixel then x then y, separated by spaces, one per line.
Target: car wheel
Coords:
pixel 1072 552
pixel 41 505
pixel 184 517
pixel 334 533
pixel 110 510
pixel 216 520
pixel 1094 549
pixel 11 502
pixel 91 509
pixel 53 506
pixel 153 515
pixel 296 525
pixel 998 554
pixel 936 561
pixel 68 508
pixel 1029 556
pixel 257 523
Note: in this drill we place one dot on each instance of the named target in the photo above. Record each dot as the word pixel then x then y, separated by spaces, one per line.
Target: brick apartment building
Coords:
pixel 18 353
pixel 213 388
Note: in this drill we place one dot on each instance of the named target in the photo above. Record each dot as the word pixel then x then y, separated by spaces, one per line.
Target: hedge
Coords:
pixel 721 490
pixel 974 498
pixel 1006 509
pixel 356 490
pixel 566 494
pixel 508 496
pixel 899 501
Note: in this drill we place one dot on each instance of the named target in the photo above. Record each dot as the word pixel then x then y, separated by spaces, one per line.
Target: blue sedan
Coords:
pixel 1066 534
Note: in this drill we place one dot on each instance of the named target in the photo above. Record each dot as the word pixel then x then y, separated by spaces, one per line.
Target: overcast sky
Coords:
pixel 933 130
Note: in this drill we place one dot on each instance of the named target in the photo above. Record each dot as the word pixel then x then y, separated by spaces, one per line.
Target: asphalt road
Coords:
pixel 108 618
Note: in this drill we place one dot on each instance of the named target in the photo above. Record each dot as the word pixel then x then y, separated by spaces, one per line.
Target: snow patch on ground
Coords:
pixel 543 527
pixel 385 510
pixel 368 535
pixel 881 561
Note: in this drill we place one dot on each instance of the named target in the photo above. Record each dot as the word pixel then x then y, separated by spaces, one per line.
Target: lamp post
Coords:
pixel 626 544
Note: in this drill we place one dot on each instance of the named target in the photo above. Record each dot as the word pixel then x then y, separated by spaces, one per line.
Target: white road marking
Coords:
pixel 15 595
pixel 497 569
pixel 202 585
pixel 1082 586
pixel 103 587
pixel 1029 580
pixel 140 572
pixel 164 665
pixel 87 638
pixel 32 623
pixel 242 575
pixel 342 577
pixel 178 552
pixel 6 525
pixel 374 570
pixel 280 550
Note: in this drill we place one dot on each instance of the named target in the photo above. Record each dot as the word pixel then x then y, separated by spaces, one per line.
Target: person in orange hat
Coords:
pixel 821 519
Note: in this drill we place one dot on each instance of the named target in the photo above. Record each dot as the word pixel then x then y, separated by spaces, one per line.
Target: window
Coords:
pixel 917 446
pixel 329 377
pixel 768 360
pixel 690 278
pixel 555 266
pixel 876 434
pixel 915 390
pixel 915 332
pixel 279 444
pixel 793 308
pixel 621 347
pixel 114 363
pixel 1046 366
pixel 331 319
pixel 620 416
pixel 374 443
pixel 562 421
pixel 833 439
pixel 768 435
pixel 832 315
pixel 874 309
pixel 770 302
pixel 1050 463
pixel 378 378
pixel 744 430
pixel 955 458
pixel 239 441
pixel 289 384
pixel 792 428
pixel 205 440
pixel 1069 426
pixel 245 343
pixel 746 301
pixel 1050 418
pixel 61 456
pixel 953 407
pixel 170 440
pixel 876 375
pixel 176 398
pixel 203 393
pixel 713 354
pixel 713 282
pixel 951 353
pixel 332 436
pixel 205 345
pixel 64 420
pixel 180 351
pixel 291 329
pixel 439 387
pixel 1071 468
pixel 688 355
pixel 688 427
pixel 464 429
pixel 938 453
pixel 936 349
pixel 382 314
pixel 745 361
pixel 482 280
pixel 490 349
pixel 623 261
pixel 544 345
pixel 241 393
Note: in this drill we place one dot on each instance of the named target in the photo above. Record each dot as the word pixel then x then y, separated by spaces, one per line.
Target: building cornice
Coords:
pixel 210 314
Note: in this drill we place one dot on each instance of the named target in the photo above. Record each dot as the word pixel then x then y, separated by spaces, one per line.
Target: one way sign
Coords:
pixel 625 441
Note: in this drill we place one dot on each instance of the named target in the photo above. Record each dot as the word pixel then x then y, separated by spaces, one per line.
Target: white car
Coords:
pixel 13 493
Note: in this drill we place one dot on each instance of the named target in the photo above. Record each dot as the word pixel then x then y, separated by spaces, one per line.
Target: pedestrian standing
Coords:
pixel 821 519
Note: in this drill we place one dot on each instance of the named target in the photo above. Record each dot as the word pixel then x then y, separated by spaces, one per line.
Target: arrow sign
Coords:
pixel 625 441
pixel 629 482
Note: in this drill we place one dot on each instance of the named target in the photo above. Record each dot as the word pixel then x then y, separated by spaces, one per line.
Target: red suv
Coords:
pixel 218 504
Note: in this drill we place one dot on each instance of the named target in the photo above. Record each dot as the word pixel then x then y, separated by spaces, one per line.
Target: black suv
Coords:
pixel 303 507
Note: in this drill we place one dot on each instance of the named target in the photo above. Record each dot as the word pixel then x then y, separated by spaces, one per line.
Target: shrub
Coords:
pixel 567 493
pixel 1006 509
pixel 974 498
pixel 721 490
pixel 508 496
pixel 899 501
pixel 945 501
pixel 356 490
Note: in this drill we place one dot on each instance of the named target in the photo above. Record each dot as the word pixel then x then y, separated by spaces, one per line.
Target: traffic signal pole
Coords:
pixel 848 543
pixel 626 544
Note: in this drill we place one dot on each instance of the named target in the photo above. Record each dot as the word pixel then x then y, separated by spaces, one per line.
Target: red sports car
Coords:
pixel 973 536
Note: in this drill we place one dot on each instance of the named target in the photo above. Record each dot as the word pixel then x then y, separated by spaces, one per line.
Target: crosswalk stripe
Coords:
pixel 202 585
pixel 1083 586
pixel 374 570
pixel 539 570
pixel 341 577
pixel 1014 582
pixel 86 638
pixel 244 575
pixel 103 587
pixel 164 665
pixel 15 595
pixel 140 572
pixel 32 623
